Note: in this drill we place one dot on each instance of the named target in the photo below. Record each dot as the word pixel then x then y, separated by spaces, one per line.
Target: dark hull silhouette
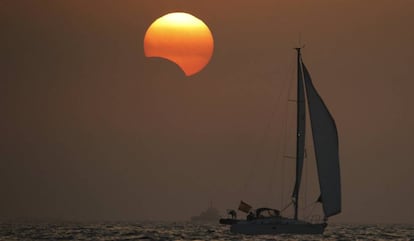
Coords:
pixel 277 226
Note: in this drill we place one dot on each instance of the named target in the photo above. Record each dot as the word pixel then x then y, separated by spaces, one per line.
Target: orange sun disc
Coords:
pixel 181 38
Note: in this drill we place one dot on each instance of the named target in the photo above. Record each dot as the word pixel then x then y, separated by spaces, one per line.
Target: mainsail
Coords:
pixel 300 135
pixel 325 140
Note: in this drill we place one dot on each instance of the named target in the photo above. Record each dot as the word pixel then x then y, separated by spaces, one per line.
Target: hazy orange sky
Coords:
pixel 92 129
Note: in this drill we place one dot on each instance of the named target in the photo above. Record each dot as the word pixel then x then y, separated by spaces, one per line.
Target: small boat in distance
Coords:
pixel 325 140
pixel 211 215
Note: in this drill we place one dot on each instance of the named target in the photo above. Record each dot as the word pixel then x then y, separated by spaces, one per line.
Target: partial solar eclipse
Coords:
pixel 181 38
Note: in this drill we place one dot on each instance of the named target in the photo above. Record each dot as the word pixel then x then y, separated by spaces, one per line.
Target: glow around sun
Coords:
pixel 181 38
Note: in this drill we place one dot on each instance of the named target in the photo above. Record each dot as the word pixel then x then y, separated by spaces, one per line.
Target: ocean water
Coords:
pixel 11 231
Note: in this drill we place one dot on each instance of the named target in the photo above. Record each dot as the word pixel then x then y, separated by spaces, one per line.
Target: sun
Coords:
pixel 181 38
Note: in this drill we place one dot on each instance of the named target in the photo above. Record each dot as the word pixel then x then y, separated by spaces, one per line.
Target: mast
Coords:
pixel 300 131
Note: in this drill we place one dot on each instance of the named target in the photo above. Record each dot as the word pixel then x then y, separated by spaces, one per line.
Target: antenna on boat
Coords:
pixel 301 46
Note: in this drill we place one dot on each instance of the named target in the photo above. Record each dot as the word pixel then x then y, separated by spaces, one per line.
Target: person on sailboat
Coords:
pixel 250 216
pixel 232 213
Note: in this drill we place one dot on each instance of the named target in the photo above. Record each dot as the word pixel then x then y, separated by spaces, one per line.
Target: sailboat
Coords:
pixel 325 140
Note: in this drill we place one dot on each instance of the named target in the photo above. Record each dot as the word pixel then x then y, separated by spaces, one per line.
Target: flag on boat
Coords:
pixel 244 207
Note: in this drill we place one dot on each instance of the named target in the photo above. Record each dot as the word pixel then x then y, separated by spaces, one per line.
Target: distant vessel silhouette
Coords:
pixel 325 139
pixel 209 215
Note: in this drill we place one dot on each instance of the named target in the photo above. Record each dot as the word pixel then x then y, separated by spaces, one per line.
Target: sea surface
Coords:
pixel 185 231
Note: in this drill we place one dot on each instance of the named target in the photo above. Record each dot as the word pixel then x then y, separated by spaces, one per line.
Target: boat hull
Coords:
pixel 258 227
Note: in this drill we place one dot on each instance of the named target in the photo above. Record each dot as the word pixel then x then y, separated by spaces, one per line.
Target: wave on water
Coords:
pixel 117 231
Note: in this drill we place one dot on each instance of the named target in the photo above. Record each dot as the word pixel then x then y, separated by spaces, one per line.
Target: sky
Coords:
pixel 94 130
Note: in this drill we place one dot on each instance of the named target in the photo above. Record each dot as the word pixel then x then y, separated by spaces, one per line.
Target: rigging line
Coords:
pixel 311 211
pixel 285 89
pixel 284 135
pixel 288 205
pixel 310 204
